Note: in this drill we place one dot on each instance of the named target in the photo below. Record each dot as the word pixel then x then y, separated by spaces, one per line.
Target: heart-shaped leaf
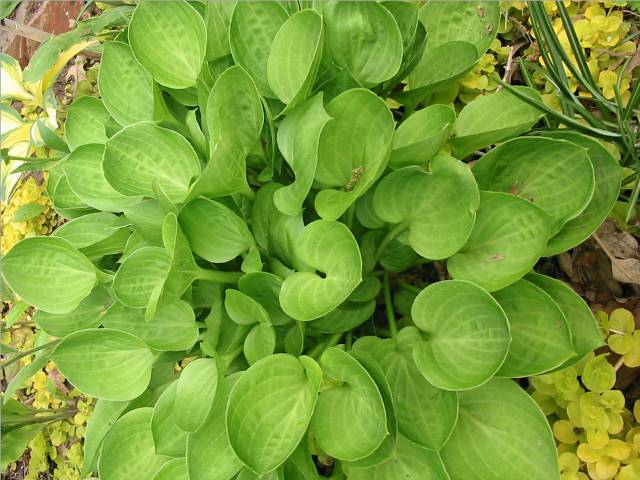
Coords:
pixel 128 450
pixel 168 438
pixel 426 414
pixel 330 248
pixel 284 386
pixel 83 170
pixel 540 336
pixel 438 208
pixel 295 56
pixel 64 200
pixel 493 118
pixel 585 334
pixel 507 239
pixel 264 288
pixel 90 229
pixel 555 175
pixel 354 149
pixel 87 315
pixel 364 38
pixel 475 22
pixel 140 154
pixel 500 420
pixel 119 67
pixel 243 309
pixel 49 273
pixel 467 334
pixel 172 328
pixel 254 26
pixel 298 140
pixel 420 136
pixel 169 39
pixel 607 174
pixel 212 442
pixel 338 424
pixel 85 122
pixel 195 393
pixel 105 363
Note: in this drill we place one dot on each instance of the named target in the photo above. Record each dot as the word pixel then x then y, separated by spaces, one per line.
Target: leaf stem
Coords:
pixel 26 353
pixel 408 287
pixel 217 276
pixel 388 238
pixel 319 349
pixel 388 306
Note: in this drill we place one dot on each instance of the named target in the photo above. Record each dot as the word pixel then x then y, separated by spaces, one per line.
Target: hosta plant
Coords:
pixel 243 202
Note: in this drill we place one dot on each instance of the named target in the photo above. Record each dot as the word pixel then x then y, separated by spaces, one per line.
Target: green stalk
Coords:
pixel 26 353
pixel 388 306
pixel 217 276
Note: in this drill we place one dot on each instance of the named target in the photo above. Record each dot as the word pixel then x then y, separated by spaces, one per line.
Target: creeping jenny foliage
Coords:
pixel 242 196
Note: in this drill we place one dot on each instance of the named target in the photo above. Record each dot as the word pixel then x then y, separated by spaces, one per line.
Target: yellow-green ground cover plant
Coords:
pixel 253 194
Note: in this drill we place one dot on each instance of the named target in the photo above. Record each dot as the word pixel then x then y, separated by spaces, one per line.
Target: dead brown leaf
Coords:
pixel 622 249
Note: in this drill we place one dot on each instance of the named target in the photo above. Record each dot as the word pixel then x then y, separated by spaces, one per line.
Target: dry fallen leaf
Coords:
pixel 622 249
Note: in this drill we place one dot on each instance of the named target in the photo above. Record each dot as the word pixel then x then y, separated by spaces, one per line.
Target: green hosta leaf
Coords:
pixel 301 465
pixel 426 414
pixel 254 26
pixel 64 200
pixel 85 122
pixel 540 337
pixel 259 343
pixel 119 67
pixel 507 240
pixel 349 421
pixel 440 221
pixel 140 274
pixel 195 394
pixel 476 22
pixel 295 56
pixel 265 288
pixel 419 137
pixel 234 118
pixel 175 469
pixel 105 363
pixel 28 211
pixel 143 153
pixel 169 39
pixel 83 170
pixel 555 175
pixel 441 65
pixel 364 38
pixel 284 386
pixel 354 149
pixel 406 16
pixel 493 118
pixel 168 438
pixel 410 461
pixel 172 328
pixel 128 451
pixel 243 309
pixel 214 231
pixel 467 334
pixel 501 421
pixel 147 216
pixel 49 273
pixel 330 248
pixel 275 232
pixel 607 185
pixel 298 140
pixel 87 315
pixel 294 339
pixel 90 229
pixel 345 317
pixel 217 19
pixel 585 334
pixel 209 453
